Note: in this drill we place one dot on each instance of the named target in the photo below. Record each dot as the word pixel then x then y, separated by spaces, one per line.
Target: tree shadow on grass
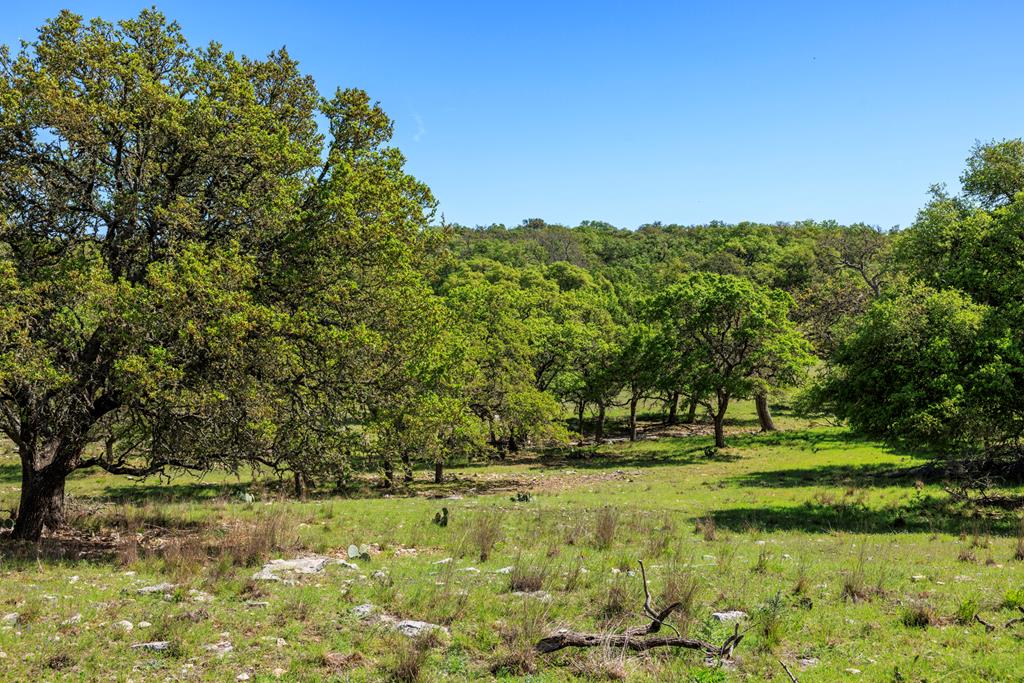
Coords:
pixel 860 476
pixel 921 515
pixel 636 457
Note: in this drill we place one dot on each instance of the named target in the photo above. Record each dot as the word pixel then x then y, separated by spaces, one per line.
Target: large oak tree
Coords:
pixel 192 273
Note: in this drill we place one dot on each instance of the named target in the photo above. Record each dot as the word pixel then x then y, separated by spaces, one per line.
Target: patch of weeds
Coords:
pixel 527 577
pixel 802 585
pixel 406 664
pixel 605 524
pixel 966 610
pixel 707 528
pixel 1014 599
pixel 516 654
pixel 919 614
pixel 761 566
pixel 768 623
pixel 485 532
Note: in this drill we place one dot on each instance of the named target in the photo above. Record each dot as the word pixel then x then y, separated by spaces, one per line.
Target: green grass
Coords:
pixel 835 552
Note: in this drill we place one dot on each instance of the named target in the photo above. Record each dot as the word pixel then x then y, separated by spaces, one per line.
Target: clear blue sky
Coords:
pixel 632 112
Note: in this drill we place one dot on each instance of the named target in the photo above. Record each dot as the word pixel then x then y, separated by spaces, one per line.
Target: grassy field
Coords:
pixel 847 565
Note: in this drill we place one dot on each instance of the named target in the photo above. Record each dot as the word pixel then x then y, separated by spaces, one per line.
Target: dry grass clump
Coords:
pixel 605 524
pixel 528 577
pixel 707 528
pixel 485 532
pixel 919 614
pixel 517 654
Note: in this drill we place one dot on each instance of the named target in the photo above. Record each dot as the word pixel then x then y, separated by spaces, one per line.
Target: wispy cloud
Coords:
pixel 421 130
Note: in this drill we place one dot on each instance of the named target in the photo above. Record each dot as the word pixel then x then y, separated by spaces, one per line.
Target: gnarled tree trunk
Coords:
pixel 43 473
pixel 764 415
pixel 438 472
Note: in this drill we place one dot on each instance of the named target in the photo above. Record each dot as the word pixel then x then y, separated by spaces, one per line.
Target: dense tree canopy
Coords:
pixel 205 263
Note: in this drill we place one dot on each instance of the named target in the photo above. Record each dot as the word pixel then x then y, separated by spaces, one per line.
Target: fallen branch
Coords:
pixel 988 627
pixel 788 672
pixel 637 639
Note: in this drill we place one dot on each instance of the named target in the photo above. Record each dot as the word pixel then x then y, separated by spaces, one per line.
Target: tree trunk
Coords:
pixel 42 498
pixel 389 474
pixel 723 405
pixel 513 444
pixel 599 427
pixel 406 468
pixel 632 418
pixel 438 472
pixel 300 485
pixel 673 408
pixel 764 415
pixel 581 407
pixel 691 414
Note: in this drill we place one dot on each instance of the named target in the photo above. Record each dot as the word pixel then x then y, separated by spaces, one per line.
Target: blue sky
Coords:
pixel 632 112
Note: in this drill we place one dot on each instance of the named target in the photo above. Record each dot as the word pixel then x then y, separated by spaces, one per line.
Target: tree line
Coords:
pixel 205 263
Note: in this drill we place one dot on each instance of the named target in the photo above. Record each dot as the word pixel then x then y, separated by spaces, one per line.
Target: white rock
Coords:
pixel 918 577
pixel 10 618
pixel 470 570
pixel 124 625
pixel 158 588
pixel 73 619
pixel 220 648
pixel 504 570
pixel 242 677
pixel 363 611
pixel 156 645
pixel 413 628
pixel 444 561
pixel 144 624
pixel 853 671
pixel 543 596
pixel 730 615
pixel 301 565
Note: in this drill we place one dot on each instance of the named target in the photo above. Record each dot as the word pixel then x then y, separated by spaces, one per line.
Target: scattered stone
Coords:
pixel 853 671
pixel 11 618
pixel 504 570
pixel 918 577
pixel 158 588
pixel 271 571
pixel 242 677
pixel 73 579
pixel 379 575
pixel 257 603
pixel 543 596
pixel 220 648
pixel 144 624
pixel 199 596
pixel 444 561
pixel 247 498
pixel 73 619
pixel 400 552
pixel 413 629
pixel 124 625
pixel 363 611
pixel 806 662
pixel 280 642
pixel 155 646
pixel 278 672
pixel 470 570
pixel 730 615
